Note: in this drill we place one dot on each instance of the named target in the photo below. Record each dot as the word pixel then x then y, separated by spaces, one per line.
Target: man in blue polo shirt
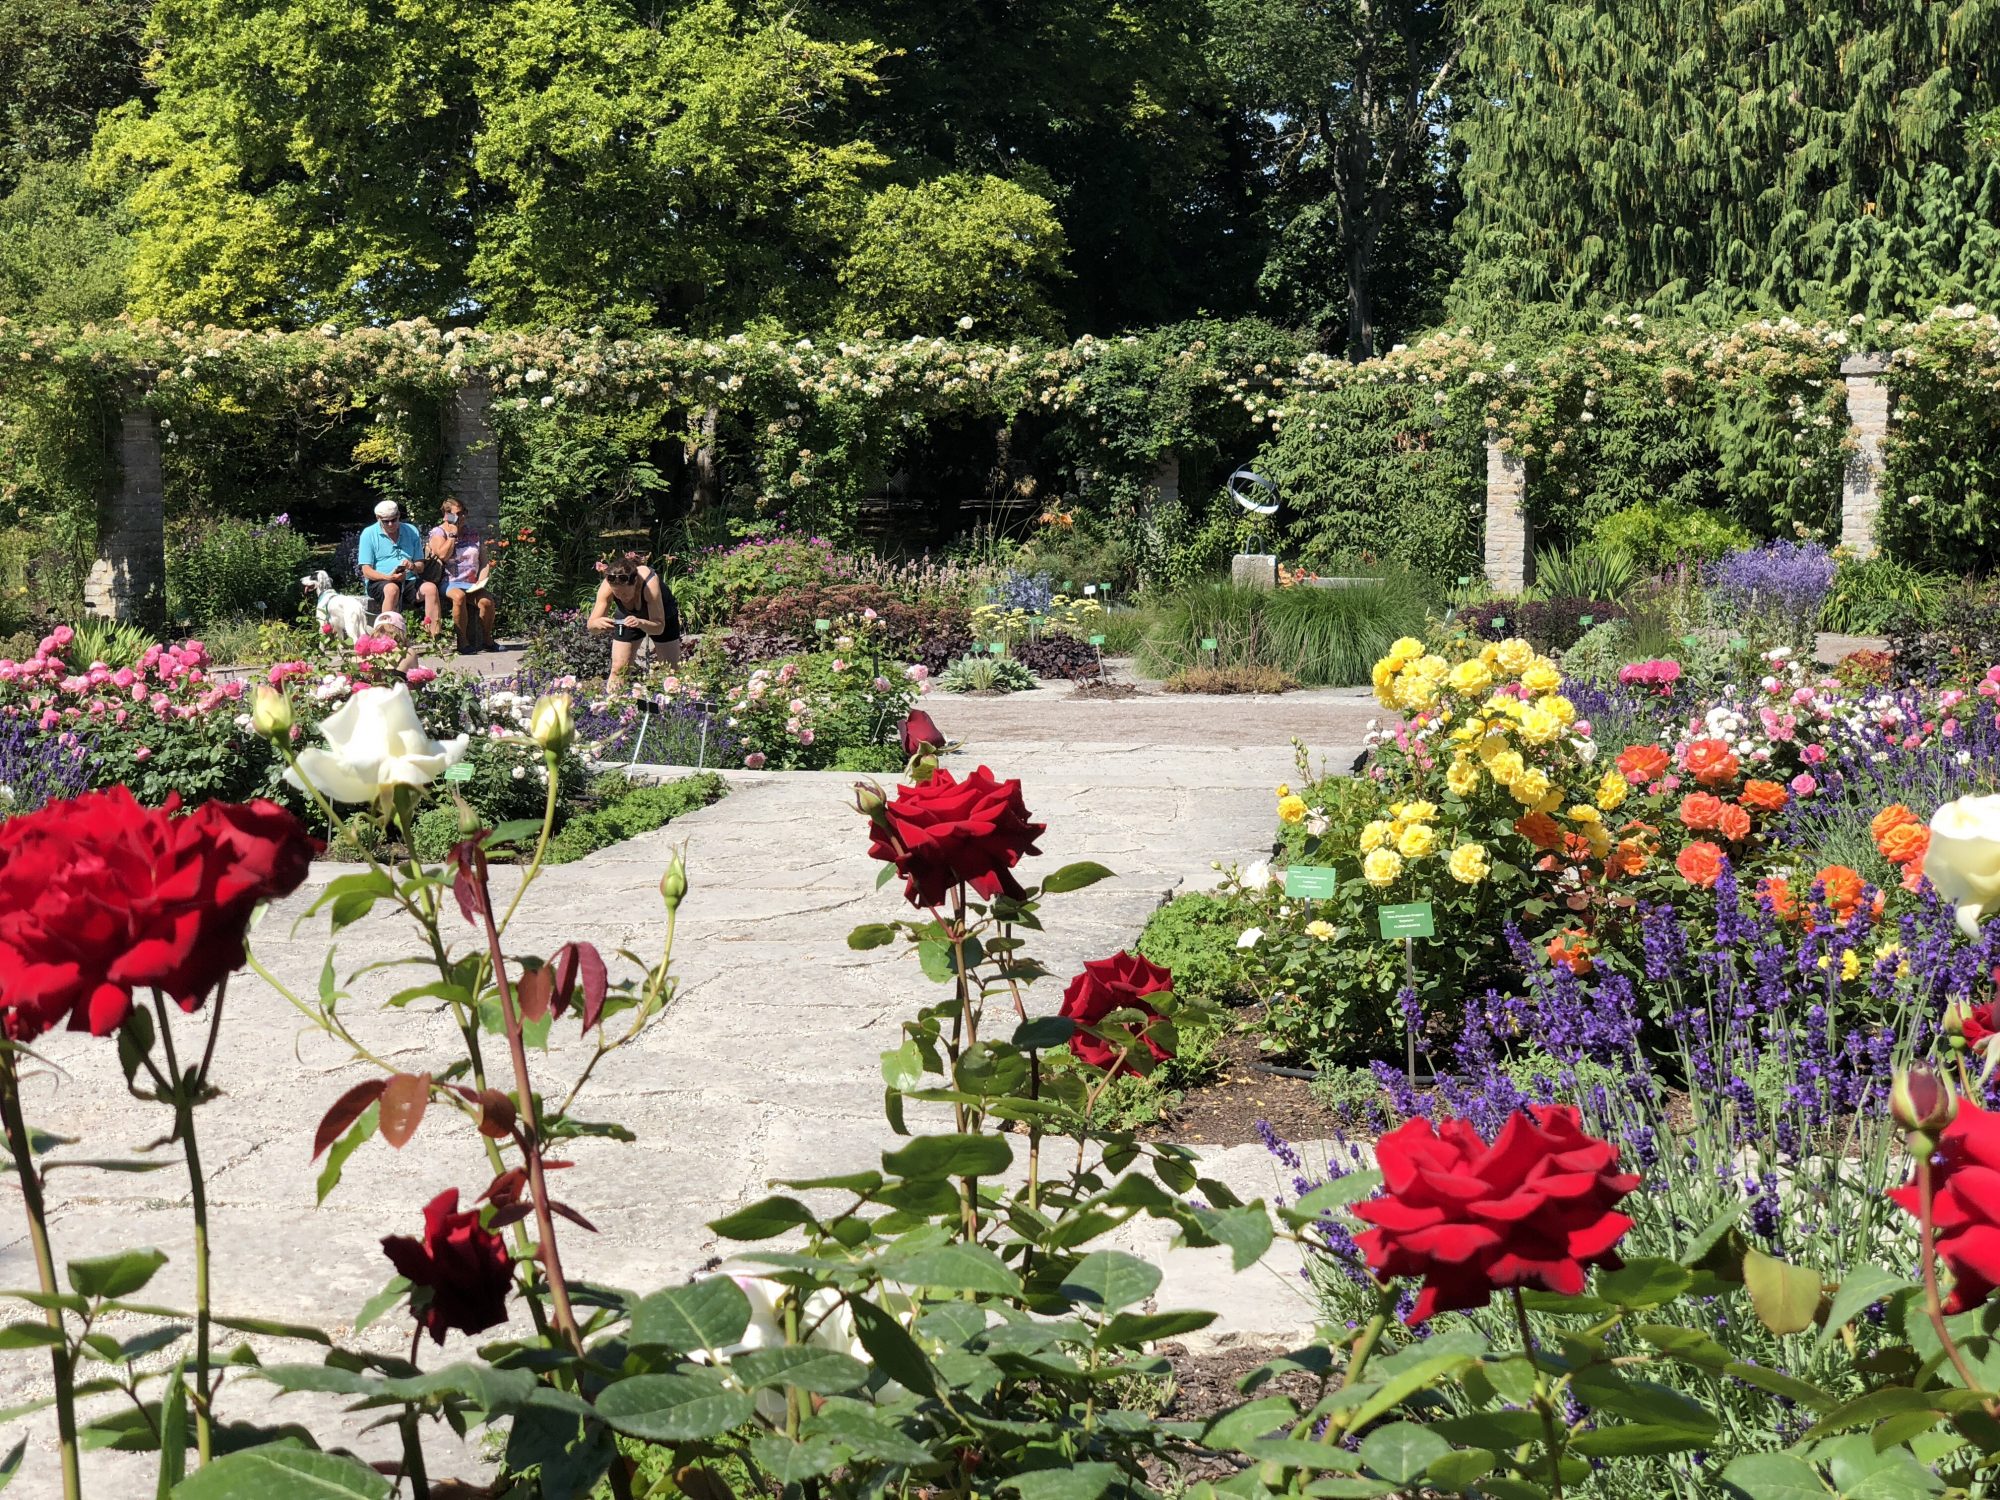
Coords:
pixel 391 557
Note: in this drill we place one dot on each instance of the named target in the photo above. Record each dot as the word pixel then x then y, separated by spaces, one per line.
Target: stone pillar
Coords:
pixel 128 581
pixel 1254 570
pixel 1861 486
pixel 1509 544
pixel 472 455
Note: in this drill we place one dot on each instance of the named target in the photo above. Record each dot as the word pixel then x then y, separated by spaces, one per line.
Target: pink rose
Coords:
pixel 1803 785
pixel 754 760
pixel 143 754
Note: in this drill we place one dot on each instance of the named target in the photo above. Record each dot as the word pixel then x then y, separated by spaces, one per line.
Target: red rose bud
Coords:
pixel 921 734
pixel 1120 982
pixel 464 1267
pixel 1534 1209
pixel 869 801
pixel 1922 1101
pixel 945 831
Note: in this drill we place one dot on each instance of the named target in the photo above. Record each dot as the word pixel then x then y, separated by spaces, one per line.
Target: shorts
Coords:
pixel 620 631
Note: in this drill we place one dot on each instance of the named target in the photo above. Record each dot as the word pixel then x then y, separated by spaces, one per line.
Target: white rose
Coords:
pixel 1964 858
pixel 374 744
pixel 1250 937
pixel 1255 877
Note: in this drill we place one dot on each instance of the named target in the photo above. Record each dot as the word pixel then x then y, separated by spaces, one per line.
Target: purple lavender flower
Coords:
pixel 1788 581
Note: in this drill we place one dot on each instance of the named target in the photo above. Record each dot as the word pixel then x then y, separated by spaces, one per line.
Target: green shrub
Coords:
pixel 1381 470
pixel 987 674
pixel 1318 636
pixel 1194 936
pixel 113 642
pixel 1658 534
pixel 1872 593
pixel 1599 652
pixel 226 567
pixel 1229 680
pixel 641 810
pixel 1585 573
pixel 433 834
pixel 870 760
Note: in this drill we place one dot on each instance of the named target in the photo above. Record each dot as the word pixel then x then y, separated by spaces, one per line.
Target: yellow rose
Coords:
pixel 1385 682
pixel 1531 787
pixel 1417 841
pixel 1599 837
pixel 1408 649
pixel 1470 677
pixel 1539 726
pixel 1323 930
pixel 1541 676
pixel 1515 655
pixel 1432 668
pixel 1418 812
pixel 1490 654
pixel 1507 767
pixel 1611 790
pixel 1284 789
pixel 1291 809
pixel 1492 747
pixel 1583 812
pixel 1468 864
pixel 1462 778
pixel 1415 693
pixel 1382 867
pixel 1374 836
pixel 1563 710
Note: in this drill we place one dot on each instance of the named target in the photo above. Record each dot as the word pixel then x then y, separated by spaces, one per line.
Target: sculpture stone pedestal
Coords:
pixel 1254 570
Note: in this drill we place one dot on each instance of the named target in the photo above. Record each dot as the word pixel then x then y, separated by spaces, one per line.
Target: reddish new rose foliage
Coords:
pixel 100 897
pixel 1120 982
pixel 464 1266
pixel 946 830
pixel 1965 1203
pixel 1534 1209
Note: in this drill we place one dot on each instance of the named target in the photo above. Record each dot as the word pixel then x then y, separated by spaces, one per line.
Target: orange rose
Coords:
pixel 1541 830
pixel 1571 949
pixel 1700 809
pixel 1642 764
pixel 1733 823
pixel 1700 863
pixel 1763 796
pixel 1840 889
pixel 1905 844
pixel 1712 762
pixel 1894 816
pixel 1775 890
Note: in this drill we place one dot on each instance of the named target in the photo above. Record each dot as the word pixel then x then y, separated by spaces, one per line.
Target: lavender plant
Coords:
pixel 1780 588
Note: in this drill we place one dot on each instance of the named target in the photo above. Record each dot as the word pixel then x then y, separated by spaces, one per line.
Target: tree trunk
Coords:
pixel 704 466
pixel 1360 300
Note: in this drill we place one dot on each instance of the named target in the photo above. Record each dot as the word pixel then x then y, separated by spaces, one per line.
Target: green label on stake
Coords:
pixel 1586 621
pixel 822 626
pixel 997 647
pixel 1412 919
pixel 1499 622
pixel 1208 643
pixel 1310 882
pixel 1097 640
pixel 460 772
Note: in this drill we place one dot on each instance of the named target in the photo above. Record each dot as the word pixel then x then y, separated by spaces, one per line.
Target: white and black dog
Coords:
pixel 347 613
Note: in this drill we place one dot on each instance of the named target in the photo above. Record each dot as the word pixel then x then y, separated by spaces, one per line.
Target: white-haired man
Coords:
pixel 391 556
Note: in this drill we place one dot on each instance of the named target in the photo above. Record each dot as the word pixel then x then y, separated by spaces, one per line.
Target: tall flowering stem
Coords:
pixel 61 1361
pixel 186 1087
pixel 1543 1404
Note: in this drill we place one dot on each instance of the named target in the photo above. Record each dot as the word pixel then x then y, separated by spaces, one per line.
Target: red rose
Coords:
pixel 1533 1209
pixel 1106 984
pixel 1979 1023
pixel 1965 1203
pixel 946 831
pixel 100 896
pixel 920 733
pixel 464 1266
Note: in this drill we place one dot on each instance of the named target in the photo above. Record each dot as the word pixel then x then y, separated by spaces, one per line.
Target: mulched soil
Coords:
pixel 1205 1385
pixel 1225 1110
pixel 1097 688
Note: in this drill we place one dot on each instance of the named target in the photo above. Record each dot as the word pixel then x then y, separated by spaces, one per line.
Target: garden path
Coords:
pixel 765 1066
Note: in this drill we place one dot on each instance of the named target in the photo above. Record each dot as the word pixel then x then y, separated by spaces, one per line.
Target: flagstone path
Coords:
pixel 764 1067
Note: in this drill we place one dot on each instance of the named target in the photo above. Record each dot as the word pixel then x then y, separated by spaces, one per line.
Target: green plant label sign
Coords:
pixel 1690 641
pixel 1499 622
pixel 460 772
pixel 1411 919
pixel 1208 643
pixel 997 647
pixel 1310 882
pixel 1465 581
pixel 1104 588
pixel 1586 621
pixel 1069 585
pixel 822 626
pixel 1737 643
pixel 1097 640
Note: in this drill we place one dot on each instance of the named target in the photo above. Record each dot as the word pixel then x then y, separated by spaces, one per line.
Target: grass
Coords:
pixel 1320 637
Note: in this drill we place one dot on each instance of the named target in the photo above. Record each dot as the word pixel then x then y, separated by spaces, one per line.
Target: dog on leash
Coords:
pixel 346 613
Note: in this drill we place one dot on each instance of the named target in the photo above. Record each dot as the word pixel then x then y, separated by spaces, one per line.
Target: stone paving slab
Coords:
pixel 765 1066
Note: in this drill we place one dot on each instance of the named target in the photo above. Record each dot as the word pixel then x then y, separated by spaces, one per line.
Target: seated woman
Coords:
pixel 456 543
pixel 634 605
